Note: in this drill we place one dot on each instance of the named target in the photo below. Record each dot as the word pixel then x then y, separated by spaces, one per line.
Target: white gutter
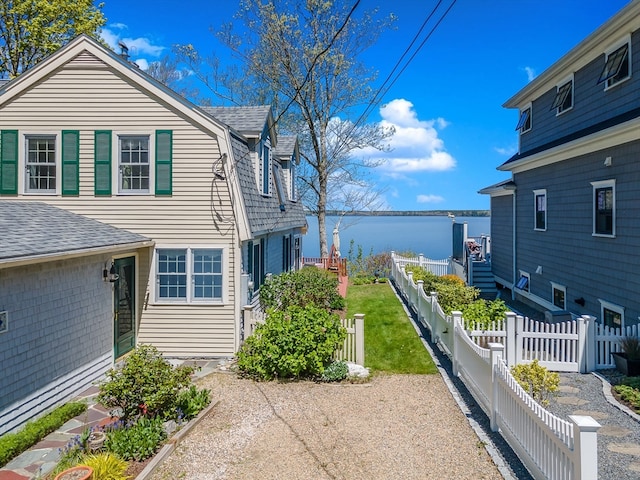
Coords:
pixel 50 257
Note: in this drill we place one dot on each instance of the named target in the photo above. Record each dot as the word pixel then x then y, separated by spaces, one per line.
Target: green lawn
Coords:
pixel 391 344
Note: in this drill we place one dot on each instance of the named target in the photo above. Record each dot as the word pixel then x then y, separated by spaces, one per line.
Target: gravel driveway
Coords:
pixel 395 426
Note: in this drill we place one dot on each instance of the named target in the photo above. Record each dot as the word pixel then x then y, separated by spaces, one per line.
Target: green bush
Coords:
pixel 310 285
pixel 537 381
pixel 192 401
pixel 137 441
pixel 483 312
pixel 295 343
pixel 146 384
pixel 13 444
pixel 629 391
pixel 335 372
pixel 453 294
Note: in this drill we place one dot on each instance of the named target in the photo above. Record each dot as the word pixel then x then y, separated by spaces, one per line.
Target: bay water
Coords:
pixel 429 235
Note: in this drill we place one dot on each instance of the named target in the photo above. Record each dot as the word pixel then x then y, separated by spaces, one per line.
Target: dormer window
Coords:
pixel 524 123
pixel 617 67
pixel 564 97
pixel 266 168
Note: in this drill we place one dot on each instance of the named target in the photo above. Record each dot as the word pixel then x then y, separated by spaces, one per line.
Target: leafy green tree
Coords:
pixel 30 30
pixel 303 58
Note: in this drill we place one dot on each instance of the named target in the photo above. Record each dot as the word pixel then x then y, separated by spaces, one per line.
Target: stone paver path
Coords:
pixel 619 436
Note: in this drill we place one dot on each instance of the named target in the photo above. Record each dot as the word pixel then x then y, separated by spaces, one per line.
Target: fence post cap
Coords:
pixel 585 423
pixel 358 315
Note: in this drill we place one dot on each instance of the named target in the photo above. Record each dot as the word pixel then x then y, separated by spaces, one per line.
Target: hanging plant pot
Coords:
pixel 79 472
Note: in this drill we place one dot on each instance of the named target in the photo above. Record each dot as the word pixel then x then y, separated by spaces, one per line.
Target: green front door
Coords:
pixel 124 305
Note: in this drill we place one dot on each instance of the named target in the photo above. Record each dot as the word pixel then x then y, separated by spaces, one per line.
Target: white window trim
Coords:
pixel 595 186
pixel 573 88
pixel 562 288
pixel 613 48
pixel 190 300
pixel 614 308
pixel 22 161
pixel 536 193
pixel 115 149
pixel 268 170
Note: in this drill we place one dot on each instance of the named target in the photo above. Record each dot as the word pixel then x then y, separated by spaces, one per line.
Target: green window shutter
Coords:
pixel 102 162
pixel 9 162
pixel 164 160
pixel 70 162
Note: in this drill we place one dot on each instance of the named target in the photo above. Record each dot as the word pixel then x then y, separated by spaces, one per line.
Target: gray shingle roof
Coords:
pixel 263 212
pixel 285 147
pixel 35 228
pixel 246 120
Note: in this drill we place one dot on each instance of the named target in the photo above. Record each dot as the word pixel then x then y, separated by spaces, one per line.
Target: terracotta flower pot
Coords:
pixel 80 472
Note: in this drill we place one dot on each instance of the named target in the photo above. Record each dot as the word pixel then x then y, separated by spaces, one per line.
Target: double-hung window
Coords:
pixel 617 66
pixel 190 275
pixel 540 209
pixel 133 164
pixel 40 164
pixel 563 100
pixel 524 122
pixel 604 208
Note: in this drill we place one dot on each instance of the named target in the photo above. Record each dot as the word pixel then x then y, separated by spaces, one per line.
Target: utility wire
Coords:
pixel 315 60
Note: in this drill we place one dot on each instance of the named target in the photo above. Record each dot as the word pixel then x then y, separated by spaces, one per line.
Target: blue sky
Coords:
pixel 451 129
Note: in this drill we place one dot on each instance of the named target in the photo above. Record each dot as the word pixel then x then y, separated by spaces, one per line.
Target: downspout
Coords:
pixel 513 227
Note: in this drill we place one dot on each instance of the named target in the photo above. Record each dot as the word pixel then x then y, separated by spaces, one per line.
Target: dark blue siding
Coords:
pixel 592 104
pixel 502 237
pixel 590 267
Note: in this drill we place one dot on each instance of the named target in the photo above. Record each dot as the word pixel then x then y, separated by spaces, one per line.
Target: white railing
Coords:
pixel 437 267
pixel 252 314
pixel 549 446
pixel 607 341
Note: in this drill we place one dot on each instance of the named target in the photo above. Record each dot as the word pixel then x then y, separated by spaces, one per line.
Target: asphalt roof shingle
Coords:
pixel 36 228
pixel 243 119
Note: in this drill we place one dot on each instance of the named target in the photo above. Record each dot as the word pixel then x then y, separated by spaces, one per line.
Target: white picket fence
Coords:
pixel 437 267
pixel 550 447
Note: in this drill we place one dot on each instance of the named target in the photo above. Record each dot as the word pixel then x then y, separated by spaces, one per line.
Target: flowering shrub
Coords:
pixel 298 342
pixel 538 382
pixel 145 385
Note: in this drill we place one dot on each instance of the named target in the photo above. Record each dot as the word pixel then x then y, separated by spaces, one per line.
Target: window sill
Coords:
pixel 539 229
pixel 603 235
pixel 610 87
pixel 203 303
pixel 558 114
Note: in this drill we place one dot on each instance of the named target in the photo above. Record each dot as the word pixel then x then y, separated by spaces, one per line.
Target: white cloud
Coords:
pixel 429 199
pixel 415 146
pixel 531 73
pixel 508 151
pixel 141 47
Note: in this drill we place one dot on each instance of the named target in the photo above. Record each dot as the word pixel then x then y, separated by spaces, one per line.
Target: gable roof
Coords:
pixel 249 121
pixel 287 146
pixel 86 47
pixel 38 231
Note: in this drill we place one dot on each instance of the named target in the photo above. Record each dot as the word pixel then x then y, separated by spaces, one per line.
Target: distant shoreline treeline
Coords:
pixel 410 213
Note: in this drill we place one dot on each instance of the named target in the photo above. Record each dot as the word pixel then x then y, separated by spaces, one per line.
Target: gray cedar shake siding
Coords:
pixel 59 308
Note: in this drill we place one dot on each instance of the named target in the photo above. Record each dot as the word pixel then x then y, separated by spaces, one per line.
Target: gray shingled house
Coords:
pixel 57 304
pixel 565 227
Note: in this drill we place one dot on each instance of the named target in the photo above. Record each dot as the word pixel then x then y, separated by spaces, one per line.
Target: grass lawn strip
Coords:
pixel 390 341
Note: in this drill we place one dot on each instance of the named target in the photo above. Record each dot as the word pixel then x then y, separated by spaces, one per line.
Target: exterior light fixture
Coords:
pixel 109 274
